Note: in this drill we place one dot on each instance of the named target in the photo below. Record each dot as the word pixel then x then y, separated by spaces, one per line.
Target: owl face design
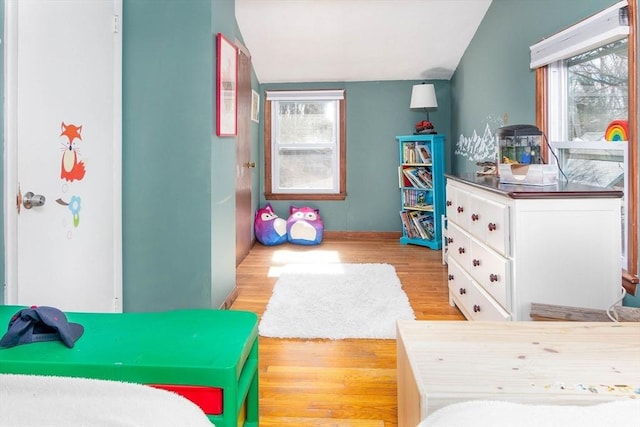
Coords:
pixel 304 226
pixel 269 228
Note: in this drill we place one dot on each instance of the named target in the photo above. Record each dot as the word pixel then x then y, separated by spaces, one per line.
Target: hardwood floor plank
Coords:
pixel 319 422
pixel 342 383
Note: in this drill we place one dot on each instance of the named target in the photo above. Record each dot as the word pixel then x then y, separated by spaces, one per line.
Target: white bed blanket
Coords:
pixel 47 401
pixel 479 413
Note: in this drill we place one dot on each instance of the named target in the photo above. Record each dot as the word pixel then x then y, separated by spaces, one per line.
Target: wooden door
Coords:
pixel 244 163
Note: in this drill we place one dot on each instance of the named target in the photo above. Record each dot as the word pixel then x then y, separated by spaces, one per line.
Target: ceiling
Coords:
pixel 357 40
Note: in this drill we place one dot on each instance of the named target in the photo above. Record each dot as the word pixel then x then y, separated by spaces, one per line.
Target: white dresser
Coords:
pixel 511 245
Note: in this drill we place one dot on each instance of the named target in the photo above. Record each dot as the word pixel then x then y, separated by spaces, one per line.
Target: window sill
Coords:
pixel 298 196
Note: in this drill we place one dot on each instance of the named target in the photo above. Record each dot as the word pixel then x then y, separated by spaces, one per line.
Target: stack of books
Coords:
pixel 419 177
pixel 415 154
pixel 416 199
pixel 417 224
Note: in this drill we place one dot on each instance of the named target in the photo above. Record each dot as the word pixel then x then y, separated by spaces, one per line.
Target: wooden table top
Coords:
pixel 529 362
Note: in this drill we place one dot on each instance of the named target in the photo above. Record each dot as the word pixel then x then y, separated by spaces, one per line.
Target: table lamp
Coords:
pixel 423 96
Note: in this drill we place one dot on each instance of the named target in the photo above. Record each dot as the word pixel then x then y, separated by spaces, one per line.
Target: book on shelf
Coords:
pixel 426 222
pixel 423 224
pixel 425 176
pixel 416 223
pixel 406 223
pixel 409 154
pixel 419 176
pixel 423 153
pixel 414 153
pixel 418 199
pixel 412 177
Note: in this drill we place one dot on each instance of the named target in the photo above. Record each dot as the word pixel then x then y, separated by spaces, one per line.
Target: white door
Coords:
pixel 63 137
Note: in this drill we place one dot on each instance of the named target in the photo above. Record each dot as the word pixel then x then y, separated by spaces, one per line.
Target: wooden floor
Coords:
pixel 317 383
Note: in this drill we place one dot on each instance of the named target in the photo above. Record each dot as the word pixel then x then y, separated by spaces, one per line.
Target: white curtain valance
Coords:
pixel 605 27
pixel 305 95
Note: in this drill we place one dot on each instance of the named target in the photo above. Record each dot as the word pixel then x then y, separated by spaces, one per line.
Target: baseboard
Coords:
pixel 361 235
pixel 228 302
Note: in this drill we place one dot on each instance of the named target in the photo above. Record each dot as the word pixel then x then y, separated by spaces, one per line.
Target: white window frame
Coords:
pixel 596 31
pixel 622 146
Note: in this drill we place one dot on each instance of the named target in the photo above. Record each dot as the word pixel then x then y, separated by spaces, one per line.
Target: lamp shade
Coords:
pixel 423 96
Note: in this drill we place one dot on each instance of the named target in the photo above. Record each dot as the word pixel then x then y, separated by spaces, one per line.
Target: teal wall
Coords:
pixel 376 112
pixel 167 144
pixel 222 161
pixel 178 177
pixel 494 78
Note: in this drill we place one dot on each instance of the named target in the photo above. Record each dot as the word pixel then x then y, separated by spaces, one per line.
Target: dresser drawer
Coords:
pixel 489 222
pixel 459 244
pixel 457 206
pixel 472 300
pixel 491 271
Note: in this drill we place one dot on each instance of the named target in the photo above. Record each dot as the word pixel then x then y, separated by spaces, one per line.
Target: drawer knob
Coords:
pixel 449 240
pixel 475 217
pixel 463 291
pixel 460 209
pixel 476 262
pixel 476 308
pixel 493 277
pixel 461 250
pixel 451 277
pixel 492 226
pixel 449 203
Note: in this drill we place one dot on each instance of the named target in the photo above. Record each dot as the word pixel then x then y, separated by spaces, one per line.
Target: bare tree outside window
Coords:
pixel 597 94
pixel 306 138
pixel 305 145
pixel 598 90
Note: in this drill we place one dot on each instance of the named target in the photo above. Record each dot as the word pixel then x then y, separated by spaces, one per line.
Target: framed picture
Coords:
pixel 226 88
pixel 255 106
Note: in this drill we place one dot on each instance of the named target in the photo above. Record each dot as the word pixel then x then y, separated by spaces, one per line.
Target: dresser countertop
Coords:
pixel 561 190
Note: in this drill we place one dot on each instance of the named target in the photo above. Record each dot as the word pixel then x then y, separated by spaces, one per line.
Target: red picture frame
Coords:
pixel 226 87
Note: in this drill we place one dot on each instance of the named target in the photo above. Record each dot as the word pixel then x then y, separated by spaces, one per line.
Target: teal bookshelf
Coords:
pixel 422 189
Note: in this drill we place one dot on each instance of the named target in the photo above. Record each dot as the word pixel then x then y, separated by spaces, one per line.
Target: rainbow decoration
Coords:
pixel 618 130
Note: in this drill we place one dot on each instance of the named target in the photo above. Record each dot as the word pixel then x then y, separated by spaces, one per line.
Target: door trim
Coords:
pixel 11 152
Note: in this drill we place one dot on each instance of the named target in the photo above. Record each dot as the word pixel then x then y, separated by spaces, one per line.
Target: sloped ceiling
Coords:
pixel 357 40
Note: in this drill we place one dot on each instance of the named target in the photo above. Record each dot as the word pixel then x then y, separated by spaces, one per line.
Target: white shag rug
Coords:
pixel 336 301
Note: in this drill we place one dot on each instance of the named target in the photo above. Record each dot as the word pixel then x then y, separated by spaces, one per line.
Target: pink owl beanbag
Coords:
pixel 269 229
pixel 304 226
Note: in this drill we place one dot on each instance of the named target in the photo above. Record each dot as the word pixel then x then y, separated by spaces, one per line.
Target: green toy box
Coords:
pixel 208 356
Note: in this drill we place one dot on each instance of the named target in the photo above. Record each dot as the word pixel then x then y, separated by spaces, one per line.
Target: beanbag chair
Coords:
pixel 304 226
pixel 269 229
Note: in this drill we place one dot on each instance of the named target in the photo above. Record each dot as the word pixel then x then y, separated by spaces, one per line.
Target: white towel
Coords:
pixel 485 413
pixel 47 401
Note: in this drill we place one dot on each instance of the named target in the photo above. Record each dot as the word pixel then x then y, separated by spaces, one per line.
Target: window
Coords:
pixel 586 77
pixel 598 163
pixel 591 90
pixel 305 145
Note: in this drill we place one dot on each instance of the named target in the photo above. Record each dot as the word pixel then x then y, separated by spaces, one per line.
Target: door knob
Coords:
pixel 251 165
pixel 30 200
